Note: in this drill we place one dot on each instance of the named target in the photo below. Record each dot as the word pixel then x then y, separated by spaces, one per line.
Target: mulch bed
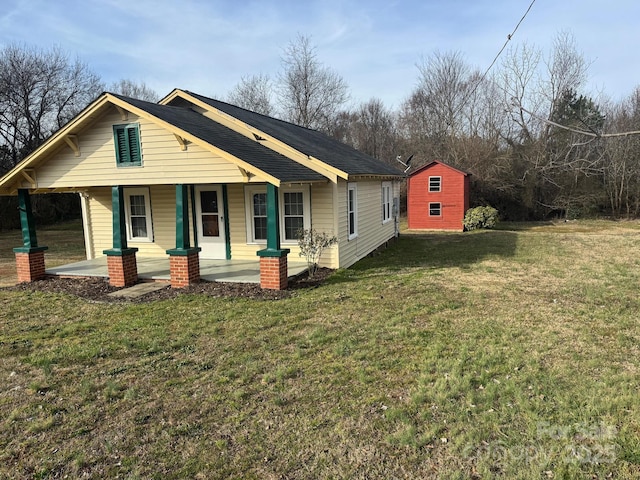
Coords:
pixel 98 289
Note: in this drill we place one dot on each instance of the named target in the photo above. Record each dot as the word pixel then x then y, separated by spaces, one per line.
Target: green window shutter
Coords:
pixel 127 142
pixel 134 145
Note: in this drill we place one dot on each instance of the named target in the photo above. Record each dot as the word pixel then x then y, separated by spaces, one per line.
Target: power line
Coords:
pixel 495 59
pixel 509 37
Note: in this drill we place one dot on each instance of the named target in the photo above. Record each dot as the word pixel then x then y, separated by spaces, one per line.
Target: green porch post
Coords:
pixel 29 257
pixel 273 259
pixel 121 260
pixel 184 262
pixel 28 224
pixel 119 230
pixel 273 225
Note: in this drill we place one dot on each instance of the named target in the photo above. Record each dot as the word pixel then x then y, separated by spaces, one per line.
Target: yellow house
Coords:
pixel 193 178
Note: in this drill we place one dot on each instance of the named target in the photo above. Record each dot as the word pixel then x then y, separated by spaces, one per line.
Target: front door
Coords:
pixel 210 212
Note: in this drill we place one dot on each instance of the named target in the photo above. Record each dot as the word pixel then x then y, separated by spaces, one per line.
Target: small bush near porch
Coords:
pixel 510 353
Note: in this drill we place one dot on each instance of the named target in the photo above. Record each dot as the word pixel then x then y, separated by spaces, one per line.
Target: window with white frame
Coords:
pixel 295 212
pixel 138 214
pixel 259 216
pixel 386 202
pixel 435 184
pixel 352 210
pixel 435 209
pixel 293 205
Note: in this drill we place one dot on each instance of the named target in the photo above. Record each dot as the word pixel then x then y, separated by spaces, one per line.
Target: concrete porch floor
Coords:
pixel 157 269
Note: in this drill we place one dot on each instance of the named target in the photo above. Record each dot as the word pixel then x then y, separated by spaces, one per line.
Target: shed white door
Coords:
pixel 210 211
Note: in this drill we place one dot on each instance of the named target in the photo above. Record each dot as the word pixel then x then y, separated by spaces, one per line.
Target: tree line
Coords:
pixel 536 143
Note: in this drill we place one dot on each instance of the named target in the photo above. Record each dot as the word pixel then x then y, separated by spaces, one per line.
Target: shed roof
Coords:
pixel 438 162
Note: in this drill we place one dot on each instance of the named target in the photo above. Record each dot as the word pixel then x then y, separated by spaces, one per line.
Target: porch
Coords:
pixel 157 269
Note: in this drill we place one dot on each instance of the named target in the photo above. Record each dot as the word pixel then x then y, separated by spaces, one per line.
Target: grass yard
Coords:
pixel 501 354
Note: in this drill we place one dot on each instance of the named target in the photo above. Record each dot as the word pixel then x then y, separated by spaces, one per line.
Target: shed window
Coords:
pixel 435 184
pixel 435 209
pixel 127 142
pixel 138 215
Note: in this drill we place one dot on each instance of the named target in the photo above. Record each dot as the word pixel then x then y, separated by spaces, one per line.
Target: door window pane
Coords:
pixel 210 226
pixel 210 215
pixel 209 201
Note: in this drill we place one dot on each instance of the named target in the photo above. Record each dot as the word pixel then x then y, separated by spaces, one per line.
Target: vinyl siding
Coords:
pixel 323 221
pixel 99 205
pixel 372 233
pixel 163 161
pixel 163 214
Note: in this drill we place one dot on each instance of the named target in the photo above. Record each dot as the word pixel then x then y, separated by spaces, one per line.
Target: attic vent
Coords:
pixel 259 138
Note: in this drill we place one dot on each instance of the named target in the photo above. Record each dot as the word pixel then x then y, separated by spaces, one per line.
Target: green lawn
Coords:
pixel 498 354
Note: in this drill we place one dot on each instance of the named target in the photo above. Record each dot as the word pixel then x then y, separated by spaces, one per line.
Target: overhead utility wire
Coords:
pixel 495 59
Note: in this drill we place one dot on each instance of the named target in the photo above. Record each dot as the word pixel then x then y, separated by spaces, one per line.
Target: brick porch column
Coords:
pixel 184 267
pixel 122 267
pixel 274 273
pixel 30 263
pixel 184 260
pixel 273 259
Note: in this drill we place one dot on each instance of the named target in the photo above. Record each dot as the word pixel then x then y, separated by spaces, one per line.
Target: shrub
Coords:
pixel 480 217
pixel 312 244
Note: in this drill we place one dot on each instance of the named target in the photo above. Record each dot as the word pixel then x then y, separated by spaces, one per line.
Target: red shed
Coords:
pixel 437 197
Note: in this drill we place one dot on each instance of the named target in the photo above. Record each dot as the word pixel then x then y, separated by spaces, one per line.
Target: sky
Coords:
pixel 207 46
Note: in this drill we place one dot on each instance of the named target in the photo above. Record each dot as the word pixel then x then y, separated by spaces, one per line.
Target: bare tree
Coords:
pixel 566 70
pixel 622 165
pixel 40 90
pixel 139 90
pixel 554 165
pixel 375 130
pixel 253 93
pixel 443 84
pixel 452 106
pixel 310 94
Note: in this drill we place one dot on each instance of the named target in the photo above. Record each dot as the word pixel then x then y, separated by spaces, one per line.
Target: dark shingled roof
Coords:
pixel 309 142
pixel 264 159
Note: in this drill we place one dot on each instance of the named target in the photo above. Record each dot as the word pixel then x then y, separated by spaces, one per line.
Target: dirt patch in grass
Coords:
pixel 98 289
